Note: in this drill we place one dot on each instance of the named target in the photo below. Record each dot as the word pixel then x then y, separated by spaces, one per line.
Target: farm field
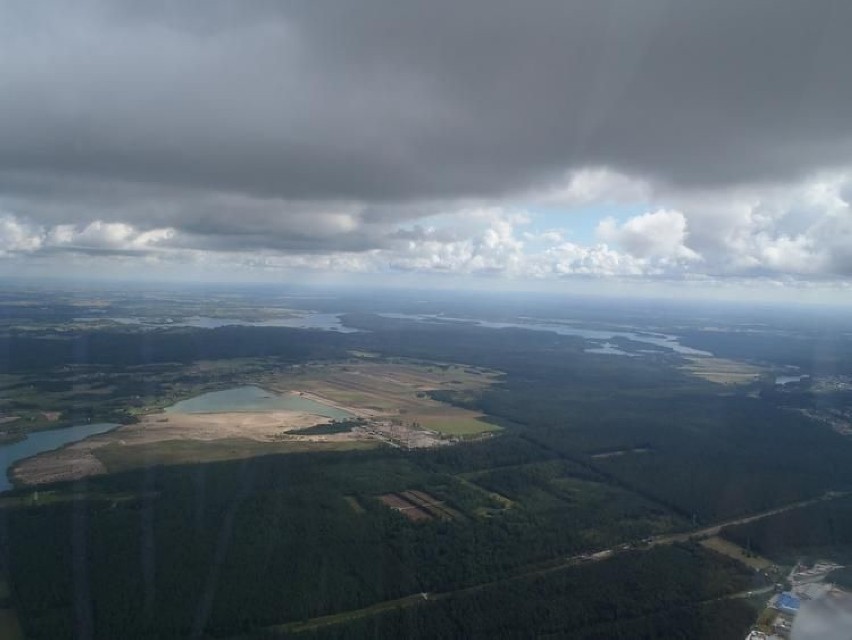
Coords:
pixel 453 423
pixel 397 390
pixel 723 371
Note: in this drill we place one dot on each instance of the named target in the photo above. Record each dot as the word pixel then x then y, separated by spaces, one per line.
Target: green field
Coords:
pixel 456 425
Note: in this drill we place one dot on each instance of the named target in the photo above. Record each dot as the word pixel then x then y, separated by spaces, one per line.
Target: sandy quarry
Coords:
pixel 376 392
pixel 77 460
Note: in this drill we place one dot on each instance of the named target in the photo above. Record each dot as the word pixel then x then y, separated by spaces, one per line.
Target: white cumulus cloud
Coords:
pixel 657 234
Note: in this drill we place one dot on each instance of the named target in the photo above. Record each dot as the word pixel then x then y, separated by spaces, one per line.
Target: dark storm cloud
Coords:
pixel 386 102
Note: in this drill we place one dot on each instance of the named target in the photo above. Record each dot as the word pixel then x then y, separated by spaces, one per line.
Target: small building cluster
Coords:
pixel 807 587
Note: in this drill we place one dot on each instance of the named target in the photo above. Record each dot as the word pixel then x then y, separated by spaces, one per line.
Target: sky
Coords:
pixel 693 148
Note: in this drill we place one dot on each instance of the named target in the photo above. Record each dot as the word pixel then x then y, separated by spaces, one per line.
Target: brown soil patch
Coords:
pixel 78 460
pixel 406 508
pixel 418 506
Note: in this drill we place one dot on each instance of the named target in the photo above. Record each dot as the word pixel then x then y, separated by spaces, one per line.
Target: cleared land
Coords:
pixel 736 552
pixel 435 507
pixel 403 506
pixel 723 371
pixel 175 452
pixel 454 424
pixel 393 390
pixel 375 392
pixel 84 458
pixel 418 506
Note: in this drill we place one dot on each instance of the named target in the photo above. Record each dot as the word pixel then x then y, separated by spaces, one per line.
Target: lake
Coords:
pixel 608 349
pixel 323 321
pixel 251 398
pixel 663 340
pixel 41 441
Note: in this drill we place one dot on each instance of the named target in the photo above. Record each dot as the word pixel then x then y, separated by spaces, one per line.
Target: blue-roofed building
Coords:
pixel 788 603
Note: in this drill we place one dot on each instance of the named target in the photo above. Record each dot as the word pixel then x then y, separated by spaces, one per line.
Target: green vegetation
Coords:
pixel 822 530
pixel 288 538
pixel 785 348
pixel 342 426
pixel 666 593
pixel 295 549
pixel 841 577
pixel 176 452
pixel 748 558
pixel 456 426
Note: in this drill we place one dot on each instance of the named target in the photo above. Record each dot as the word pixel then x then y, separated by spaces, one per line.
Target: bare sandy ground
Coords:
pixel 60 465
pixel 262 426
pixel 78 460
pixel 358 412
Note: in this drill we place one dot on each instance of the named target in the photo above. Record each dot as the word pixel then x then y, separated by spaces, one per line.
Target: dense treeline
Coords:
pixel 820 530
pixel 841 577
pixel 596 451
pixel 816 352
pixel 23 352
pixel 640 595
pixel 284 543
pixel 708 455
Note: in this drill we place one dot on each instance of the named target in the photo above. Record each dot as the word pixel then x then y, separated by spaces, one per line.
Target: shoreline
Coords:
pixel 78 459
pixel 13 470
pixel 356 413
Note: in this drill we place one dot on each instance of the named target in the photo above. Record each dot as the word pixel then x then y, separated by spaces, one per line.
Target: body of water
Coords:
pixel 251 398
pixel 42 441
pixel 608 349
pixel 324 321
pixel 599 335
pixel 788 379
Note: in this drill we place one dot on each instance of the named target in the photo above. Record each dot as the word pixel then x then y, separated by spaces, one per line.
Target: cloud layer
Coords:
pixel 418 136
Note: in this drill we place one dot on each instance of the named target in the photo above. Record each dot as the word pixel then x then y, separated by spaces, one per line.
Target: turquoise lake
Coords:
pixel 251 398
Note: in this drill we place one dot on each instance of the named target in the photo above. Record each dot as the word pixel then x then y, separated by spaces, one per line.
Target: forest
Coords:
pixel 822 530
pixel 233 547
pixel 666 593
pixel 595 453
